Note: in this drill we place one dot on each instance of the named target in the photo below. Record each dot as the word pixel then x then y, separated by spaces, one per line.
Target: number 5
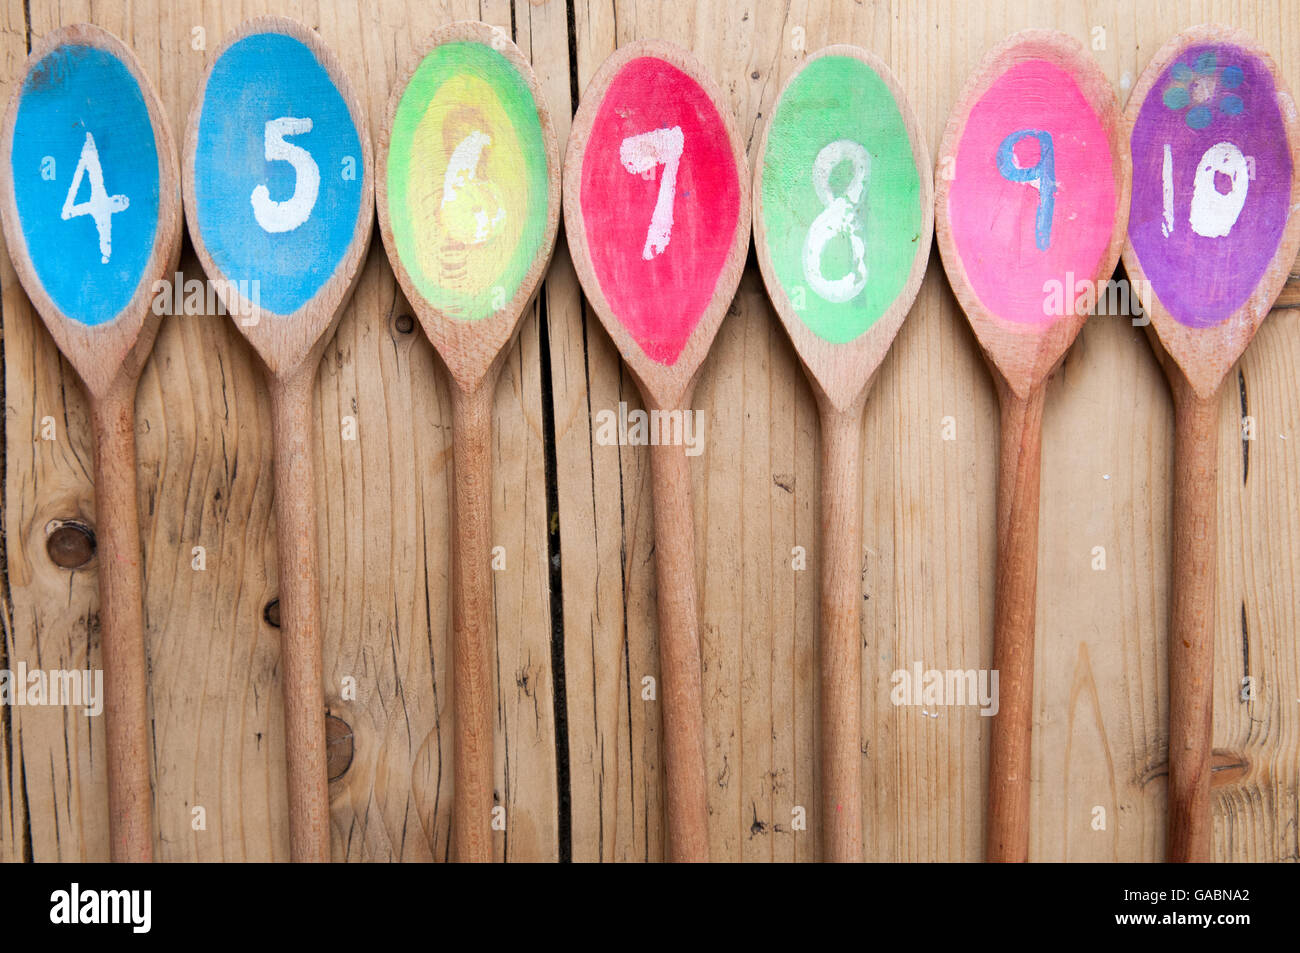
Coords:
pixel 288 215
pixel 639 155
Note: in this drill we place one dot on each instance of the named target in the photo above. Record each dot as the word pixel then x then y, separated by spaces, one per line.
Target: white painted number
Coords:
pixel 1167 192
pixel 1213 213
pixel 460 185
pixel 288 215
pixel 640 155
pixel 838 218
pixel 100 206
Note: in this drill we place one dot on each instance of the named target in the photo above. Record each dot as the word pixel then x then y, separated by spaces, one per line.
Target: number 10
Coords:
pixel 1213 213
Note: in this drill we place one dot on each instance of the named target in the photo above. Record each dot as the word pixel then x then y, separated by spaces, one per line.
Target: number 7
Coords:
pixel 639 155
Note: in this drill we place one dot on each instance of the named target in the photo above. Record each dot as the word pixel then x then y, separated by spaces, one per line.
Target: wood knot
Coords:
pixel 70 543
pixel 1228 767
pixel 339 746
pixel 404 324
pixel 271 614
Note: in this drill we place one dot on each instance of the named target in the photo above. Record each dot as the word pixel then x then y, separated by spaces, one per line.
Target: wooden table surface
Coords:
pixel 578 764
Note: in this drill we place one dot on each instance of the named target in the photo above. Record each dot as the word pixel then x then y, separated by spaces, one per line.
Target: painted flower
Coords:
pixel 1202 87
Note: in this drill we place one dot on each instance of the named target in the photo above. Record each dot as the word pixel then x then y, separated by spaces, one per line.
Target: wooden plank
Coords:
pixel 21 323
pixel 203 441
pixel 1100 717
pixel 613 749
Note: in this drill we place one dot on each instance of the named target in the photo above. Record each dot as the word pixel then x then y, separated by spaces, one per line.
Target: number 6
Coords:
pixel 288 215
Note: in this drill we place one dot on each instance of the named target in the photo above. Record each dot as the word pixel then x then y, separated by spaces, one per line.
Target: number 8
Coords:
pixel 838 218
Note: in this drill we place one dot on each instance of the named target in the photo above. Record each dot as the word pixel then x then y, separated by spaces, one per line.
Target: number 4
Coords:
pixel 639 155
pixel 100 206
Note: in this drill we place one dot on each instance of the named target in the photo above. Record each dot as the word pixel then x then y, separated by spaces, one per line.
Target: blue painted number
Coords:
pixel 1042 174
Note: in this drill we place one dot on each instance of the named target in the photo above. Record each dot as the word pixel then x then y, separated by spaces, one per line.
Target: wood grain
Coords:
pixel 1191 626
pixel 300 615
pixel 126 687
pixel 471 622
pixel 677 619
pixel 1020 437
pixel 840 689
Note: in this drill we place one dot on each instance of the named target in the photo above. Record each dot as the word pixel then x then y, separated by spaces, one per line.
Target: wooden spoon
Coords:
pixel 469 204
pixel 656 209
pixel 1031 206
pixel 278 184
pixel 842 108
pixel 91 206
pixel 1212 235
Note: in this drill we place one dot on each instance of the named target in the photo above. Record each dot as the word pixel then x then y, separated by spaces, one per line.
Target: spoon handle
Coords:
pixel 1191 625
pixel 841 634
pixel 1020 446
pixel 679 655
pixel 472 627
pixel 121 614
pixel 300 635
